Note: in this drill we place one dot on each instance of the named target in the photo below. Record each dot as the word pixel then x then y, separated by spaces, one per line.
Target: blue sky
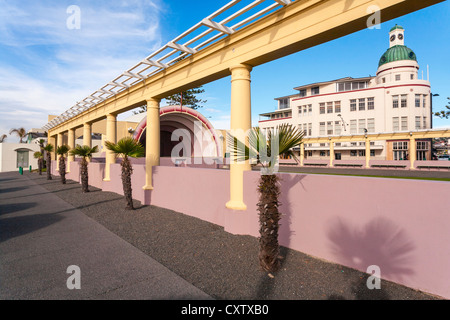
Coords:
pixel 45 67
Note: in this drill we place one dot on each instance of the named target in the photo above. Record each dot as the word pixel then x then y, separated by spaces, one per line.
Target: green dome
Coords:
pixel 397 53
pixel 396 27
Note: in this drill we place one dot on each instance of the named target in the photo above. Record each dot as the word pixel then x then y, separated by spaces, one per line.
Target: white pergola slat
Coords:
pixel 154 64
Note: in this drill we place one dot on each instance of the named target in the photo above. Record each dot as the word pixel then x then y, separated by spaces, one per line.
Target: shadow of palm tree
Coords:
pixel 380 242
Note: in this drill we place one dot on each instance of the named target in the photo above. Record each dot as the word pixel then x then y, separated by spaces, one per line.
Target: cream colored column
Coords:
pixel 71 144
pixel 412 152
pixel 367 153
pixel 331 153
pixel 87 136
pixel 59 143
pixel 111 136
pixel 302 153
pixel 240 123
pixel 152 136
pixel 52 141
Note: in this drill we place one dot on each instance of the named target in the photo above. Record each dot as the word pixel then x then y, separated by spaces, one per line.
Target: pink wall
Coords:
pixel 401 225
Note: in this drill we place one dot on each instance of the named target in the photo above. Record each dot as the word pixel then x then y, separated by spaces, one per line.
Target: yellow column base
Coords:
pixel 236 205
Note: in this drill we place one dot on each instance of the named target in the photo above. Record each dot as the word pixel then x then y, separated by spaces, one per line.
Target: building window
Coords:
pixel 404 123
pixel 400 150
pixel 329 128
pixel 353 153
pixel 417 123
pixel 371 103
pixel 394 101
pixel 384 80
pixel 353 105
pixel 300 111
pixel 395 124
pixel 362 104
pixel 404 101
pixel 322 108
pixel 397 77
pixel 302 93
pixel 322 128
pixel 22 158
pixel 309 129
pixel 362 125
pixel 425 123
pixel 310 109
pixel 314 90
pixel 337 106
pixel 305 111
pixel 362 153
pixel 412 76
pixel 371 125
pixel 353 128
pixel 337 127
pixel 322 153
pixel 329 107
pixel 284 103
pixel 372 153
pixel 417 101
pixel 424 100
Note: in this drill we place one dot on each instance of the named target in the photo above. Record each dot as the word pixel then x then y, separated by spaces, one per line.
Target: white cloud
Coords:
pixel 48 67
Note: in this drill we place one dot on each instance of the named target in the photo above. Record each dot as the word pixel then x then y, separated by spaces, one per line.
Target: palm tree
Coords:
pixel 127 147
pixel 266 151
pixel 3 137
pixel 85 152
pixel 38 155
pixel 20 132
pixel 62 151
pixel 49 149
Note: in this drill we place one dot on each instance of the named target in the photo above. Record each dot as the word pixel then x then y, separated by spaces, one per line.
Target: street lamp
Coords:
pixel 343 122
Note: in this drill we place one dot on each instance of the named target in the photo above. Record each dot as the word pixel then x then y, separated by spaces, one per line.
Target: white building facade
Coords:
pixel 395 100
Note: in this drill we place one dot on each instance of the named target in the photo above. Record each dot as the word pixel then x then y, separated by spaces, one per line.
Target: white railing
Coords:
pixel 187 43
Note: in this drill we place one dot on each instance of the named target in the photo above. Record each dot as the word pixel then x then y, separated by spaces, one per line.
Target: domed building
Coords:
pixel 395 100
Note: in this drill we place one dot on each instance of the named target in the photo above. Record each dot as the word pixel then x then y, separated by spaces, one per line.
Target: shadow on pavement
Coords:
pixel 19 226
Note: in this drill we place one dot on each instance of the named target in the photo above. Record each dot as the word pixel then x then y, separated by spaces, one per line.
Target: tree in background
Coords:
pixel 85 152
pixel 444 114
pixel 20 132
pixel 186 99
pixel 127 147
pixel 62 151
pixel 3 137
pixel 40 158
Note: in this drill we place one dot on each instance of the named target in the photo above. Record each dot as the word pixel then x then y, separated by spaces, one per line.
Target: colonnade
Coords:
pixel 240 123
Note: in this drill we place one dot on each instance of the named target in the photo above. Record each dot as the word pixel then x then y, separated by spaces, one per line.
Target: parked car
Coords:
pixel 444 157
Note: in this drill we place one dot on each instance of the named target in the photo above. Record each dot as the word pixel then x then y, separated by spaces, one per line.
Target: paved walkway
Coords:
pixel 41 236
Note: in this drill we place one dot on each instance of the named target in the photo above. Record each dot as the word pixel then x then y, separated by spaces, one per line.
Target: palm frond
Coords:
pixel 83 151
pixel 49 147
pixel 37 155
pixel 266 149
pixel 62 150
pixel 126 146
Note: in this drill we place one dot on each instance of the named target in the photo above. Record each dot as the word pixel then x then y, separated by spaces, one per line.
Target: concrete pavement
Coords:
pixel 41 236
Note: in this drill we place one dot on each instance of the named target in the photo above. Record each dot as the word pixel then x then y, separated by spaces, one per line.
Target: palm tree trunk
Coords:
pixel 127 170
pixel 269 217
pixel 40 160
pixel 49 166
pixel 62 169
pixel 84 175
